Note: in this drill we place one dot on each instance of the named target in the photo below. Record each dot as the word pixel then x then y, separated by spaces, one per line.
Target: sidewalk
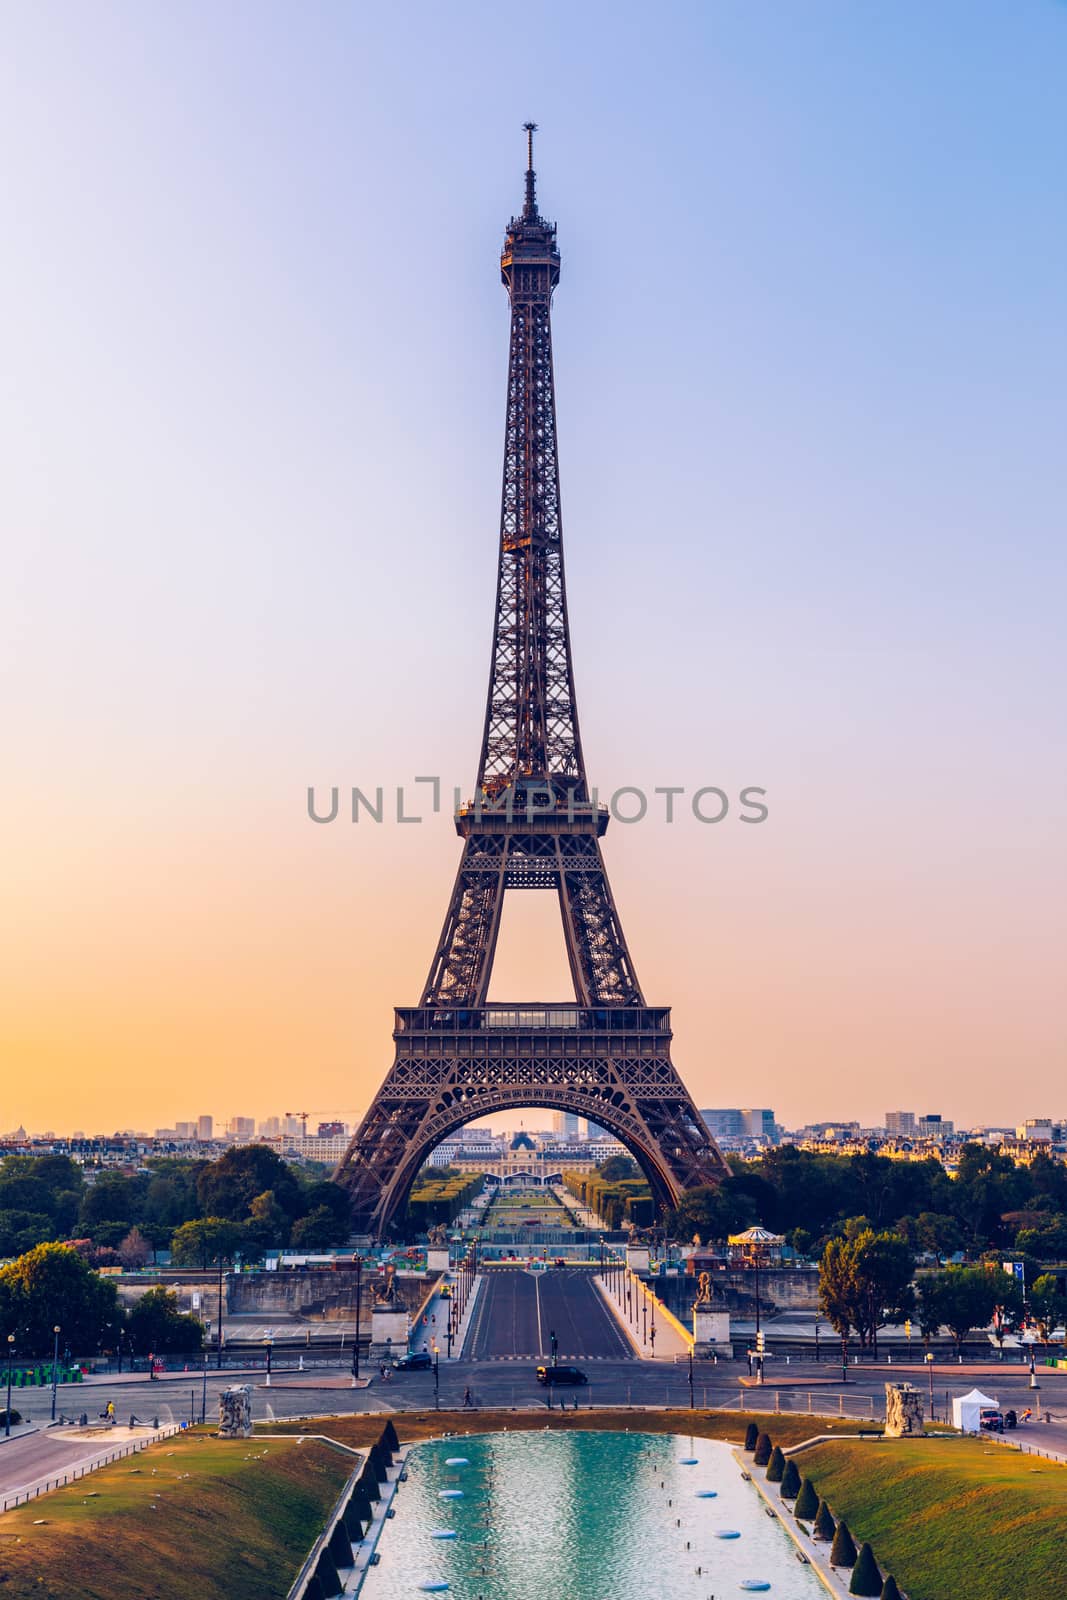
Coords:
pixel 816 1552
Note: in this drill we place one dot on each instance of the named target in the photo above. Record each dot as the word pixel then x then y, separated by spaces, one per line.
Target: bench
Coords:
pixel 872 1433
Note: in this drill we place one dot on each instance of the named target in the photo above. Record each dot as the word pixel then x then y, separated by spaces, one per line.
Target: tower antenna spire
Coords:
pixel 530 208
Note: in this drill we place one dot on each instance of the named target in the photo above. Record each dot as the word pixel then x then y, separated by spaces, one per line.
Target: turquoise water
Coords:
pixel 582 1516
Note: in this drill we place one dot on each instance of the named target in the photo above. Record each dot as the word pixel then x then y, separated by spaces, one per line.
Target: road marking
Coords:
pixel 540 1330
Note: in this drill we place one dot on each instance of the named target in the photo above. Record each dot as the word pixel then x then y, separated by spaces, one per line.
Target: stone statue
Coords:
pixel 235 1412
pixel 903 1411
pixel 385 1292
pixel 438 1235
pixel 703 1290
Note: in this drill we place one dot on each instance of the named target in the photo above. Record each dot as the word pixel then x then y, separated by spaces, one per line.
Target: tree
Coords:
pixel 617 1167
pixel 807 1504
pixel 865 1280
pixel 960 1298
pixel 156 1326
pixel 776 1465
pixel 21 1230
pixel 824 1527
pixel 53 1284
pixel 319 1230
pixel 1047 1241
pixel 334 1198
pixel 866 1578
pixel 273 1220
pixel 751 1435
pixel 889 1589
pixel 762 1453
pixel 843 1550
pixel 713 1213
pixel 135 1249
pixel 790 1480
pixel 205 1242
pixel 112 1199
pixel 227 1187
pixel 1048 1305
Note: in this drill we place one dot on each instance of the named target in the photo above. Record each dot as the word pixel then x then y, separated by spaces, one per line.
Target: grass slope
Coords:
pixel 951 1516
pixel 193 1518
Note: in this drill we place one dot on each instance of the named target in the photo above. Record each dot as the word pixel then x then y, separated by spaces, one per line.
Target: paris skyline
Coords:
pixel 808 356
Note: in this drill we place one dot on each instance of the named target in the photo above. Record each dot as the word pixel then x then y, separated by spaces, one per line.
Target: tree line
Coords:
pixel 253 1199
pixel 53 1286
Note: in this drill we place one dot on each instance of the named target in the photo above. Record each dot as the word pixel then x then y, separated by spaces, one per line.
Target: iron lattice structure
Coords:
pixel 531 825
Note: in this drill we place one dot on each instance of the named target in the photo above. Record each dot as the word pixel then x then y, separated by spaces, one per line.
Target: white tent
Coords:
pixel 967 1410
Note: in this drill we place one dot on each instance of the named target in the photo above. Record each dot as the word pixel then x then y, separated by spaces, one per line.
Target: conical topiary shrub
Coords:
pixel 866 1579
pixel 843 1551
pixel 776 1465
pixel 751 1435
pixel 889 1589
pixel 762 1453
pixel 824 1527
pixel 790 1480
pixel 807 1501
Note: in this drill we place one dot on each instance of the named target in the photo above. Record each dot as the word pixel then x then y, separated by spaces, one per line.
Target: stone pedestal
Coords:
pixel 390 1325
pixel 437 1258
pixel 903 1411
pixel 711 1331
pixel 235 1412
pixel 637 1257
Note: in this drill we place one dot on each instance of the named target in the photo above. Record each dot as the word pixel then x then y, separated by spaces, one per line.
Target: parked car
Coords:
pixel 414 1361
pixel 992 1421
pixel 561 1375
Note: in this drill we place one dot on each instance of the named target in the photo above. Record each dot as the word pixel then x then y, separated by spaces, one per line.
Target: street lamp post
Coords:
pixel 817 1356
pixel 218 1352
pixel 691 1378
pixel 844 1358
pixel 436 1379
pixel 55 1367
pixel 757 1288
pixel 359 1307
pixel 10 1353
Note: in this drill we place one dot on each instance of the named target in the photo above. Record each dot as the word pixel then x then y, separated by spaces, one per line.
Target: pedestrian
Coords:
pixel 468 1398
pixel 110 1412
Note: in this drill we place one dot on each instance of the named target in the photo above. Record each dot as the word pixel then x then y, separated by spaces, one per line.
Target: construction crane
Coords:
pixel 303 1115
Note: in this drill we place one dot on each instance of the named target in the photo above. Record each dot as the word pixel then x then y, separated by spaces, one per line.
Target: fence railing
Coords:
pixel 60 1480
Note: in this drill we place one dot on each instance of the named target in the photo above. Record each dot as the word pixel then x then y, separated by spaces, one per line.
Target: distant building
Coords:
pixel 205 1127
pixel 1037 1130
pixel 565 1123
pixel 183 1130
pixel 934 1126
pixel 900 1124
pixel 270 1128
pixel 332 1130
pixel 742 1123
pixel 241 1128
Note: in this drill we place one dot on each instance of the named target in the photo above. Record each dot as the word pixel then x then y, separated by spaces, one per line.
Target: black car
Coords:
pixel 561 1375
pixel 414 1361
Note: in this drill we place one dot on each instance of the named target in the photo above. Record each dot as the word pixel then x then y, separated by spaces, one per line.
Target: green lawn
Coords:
pixel 952 1516
pixel 192 1518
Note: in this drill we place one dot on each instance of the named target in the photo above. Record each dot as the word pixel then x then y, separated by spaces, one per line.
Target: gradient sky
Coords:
pixel 810 353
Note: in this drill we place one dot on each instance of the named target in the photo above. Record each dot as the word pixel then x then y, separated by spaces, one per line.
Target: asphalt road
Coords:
pixel 518 1311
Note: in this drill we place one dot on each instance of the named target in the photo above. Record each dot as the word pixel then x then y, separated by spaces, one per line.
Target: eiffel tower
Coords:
pixel 530 825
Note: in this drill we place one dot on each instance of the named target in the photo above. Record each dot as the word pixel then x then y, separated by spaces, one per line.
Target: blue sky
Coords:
pixel 810 345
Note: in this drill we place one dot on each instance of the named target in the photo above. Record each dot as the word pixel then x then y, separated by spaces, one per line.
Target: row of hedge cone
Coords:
pixel 351 1526
pixel 808 1507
